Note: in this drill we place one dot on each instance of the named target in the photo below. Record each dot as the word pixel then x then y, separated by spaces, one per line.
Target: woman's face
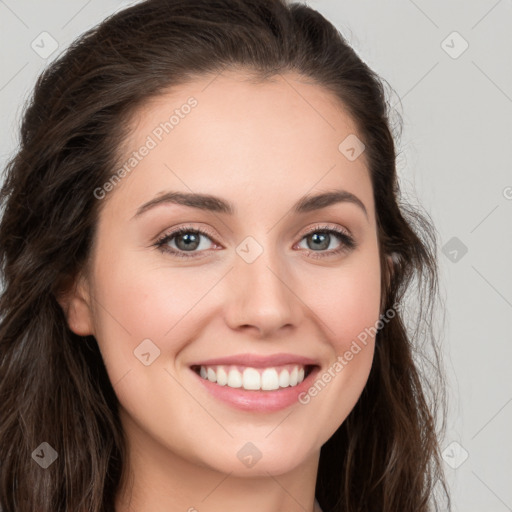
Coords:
pixel 264 294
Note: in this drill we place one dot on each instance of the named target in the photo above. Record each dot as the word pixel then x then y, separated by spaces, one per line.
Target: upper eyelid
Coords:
pixel 166 237
pixel 207 232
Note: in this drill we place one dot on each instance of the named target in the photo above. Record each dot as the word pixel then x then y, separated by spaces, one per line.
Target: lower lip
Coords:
pixel 259 401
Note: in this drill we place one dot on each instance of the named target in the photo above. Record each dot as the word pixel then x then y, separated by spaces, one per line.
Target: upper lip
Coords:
pixel 258 361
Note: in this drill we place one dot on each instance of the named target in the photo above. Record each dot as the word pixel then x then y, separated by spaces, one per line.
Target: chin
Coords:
pixel 245 458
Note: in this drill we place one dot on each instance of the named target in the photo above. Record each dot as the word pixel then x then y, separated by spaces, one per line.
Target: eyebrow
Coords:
pixel 216 204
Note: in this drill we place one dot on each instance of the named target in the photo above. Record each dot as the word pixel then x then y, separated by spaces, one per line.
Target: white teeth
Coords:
pixel 222 377
pixel 293 377
pixel 234 379
pixel 253 379
pixel 284 379
pixel 212 376
pixel 269 379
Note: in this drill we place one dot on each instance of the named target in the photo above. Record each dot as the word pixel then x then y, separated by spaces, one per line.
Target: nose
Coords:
pixel 261 296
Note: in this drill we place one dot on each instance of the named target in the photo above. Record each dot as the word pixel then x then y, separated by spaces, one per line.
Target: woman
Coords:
pixel 205 258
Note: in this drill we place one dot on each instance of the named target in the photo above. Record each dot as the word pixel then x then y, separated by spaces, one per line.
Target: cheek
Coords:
pixel 147 299
pixel 135 302
pixel 347 308
pixel 347 300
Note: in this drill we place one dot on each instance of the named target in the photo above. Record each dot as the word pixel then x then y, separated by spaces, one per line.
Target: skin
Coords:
pixel 261 146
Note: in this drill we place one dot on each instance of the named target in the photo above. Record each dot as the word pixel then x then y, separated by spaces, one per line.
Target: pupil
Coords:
pixel 323 237
pixel 189 240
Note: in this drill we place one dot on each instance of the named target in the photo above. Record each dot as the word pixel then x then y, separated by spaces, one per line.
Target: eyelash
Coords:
pixel 347 242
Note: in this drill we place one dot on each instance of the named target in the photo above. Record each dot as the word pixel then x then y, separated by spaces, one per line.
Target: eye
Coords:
pixel 187 240
pixel 320 238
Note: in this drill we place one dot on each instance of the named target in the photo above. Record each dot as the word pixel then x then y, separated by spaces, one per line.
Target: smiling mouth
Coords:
pixel 255 379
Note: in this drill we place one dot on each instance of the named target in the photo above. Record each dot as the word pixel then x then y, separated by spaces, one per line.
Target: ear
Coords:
pixel 75 300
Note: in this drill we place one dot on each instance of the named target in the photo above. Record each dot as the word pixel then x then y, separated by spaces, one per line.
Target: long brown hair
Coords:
pixel 53 384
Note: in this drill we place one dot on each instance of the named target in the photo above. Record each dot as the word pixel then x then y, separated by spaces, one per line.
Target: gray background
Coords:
pixel 455 159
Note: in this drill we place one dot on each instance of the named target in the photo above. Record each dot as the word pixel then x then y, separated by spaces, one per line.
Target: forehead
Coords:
pixel 271 140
